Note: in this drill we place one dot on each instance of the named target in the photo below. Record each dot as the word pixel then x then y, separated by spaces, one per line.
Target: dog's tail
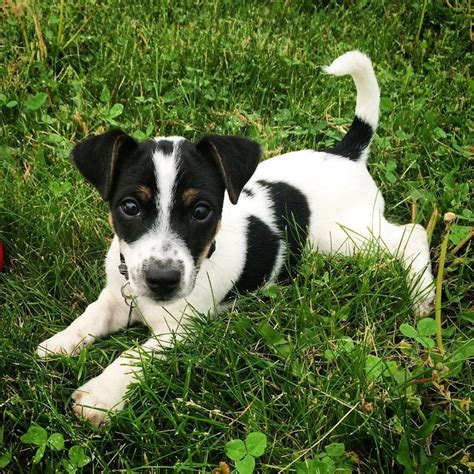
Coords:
pixel 356 143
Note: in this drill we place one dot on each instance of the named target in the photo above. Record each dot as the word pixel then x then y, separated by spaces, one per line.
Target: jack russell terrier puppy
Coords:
pixel 183 244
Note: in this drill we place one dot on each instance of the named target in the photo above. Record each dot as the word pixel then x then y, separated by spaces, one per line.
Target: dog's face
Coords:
pixel 165 197
pixel 166 205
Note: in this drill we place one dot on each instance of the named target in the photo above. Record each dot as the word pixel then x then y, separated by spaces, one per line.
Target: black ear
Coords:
pixel 236 157
pixel 96 158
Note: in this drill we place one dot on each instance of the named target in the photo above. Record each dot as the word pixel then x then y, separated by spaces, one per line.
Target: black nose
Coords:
pixel 161 280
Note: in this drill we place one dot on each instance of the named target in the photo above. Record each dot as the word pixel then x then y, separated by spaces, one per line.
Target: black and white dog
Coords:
pixel 190 246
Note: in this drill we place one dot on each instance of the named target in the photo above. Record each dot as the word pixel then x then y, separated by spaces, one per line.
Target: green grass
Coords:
pixel 319 362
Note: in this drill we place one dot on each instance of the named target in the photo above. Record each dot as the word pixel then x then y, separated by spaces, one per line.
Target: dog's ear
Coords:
pixel 236 158
pixel 97 157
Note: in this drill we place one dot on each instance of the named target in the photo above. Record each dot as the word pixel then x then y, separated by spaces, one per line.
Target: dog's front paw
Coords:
pixel 69 342
pixel 96 399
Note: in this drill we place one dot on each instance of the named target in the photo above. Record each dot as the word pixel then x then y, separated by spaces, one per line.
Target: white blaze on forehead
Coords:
pixel 166 174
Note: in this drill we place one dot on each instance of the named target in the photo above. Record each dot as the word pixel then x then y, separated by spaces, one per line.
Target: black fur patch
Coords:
pixel 200 173
pixel 236 158
pixel 134 170
pixel 165 146
pixel 355 141
pixel 292 214
pixel 262 250
pixel 248 192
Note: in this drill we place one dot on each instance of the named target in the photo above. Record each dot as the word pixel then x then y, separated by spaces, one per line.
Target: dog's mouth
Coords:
pixel 161 299
pixel 165 299
pixel 161 296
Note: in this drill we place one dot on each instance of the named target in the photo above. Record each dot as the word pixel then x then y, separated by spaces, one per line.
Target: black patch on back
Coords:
pixel 165 146
pixel 292 214
pixel 355 141
pixel 262 249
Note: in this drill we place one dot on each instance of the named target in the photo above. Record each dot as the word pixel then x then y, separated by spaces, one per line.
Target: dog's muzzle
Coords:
pixel 163 278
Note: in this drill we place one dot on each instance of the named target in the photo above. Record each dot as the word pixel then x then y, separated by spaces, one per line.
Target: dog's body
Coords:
pixel 189 248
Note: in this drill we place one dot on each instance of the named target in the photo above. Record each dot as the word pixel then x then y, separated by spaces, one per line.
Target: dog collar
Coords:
pixel 123 267
pixel 127 298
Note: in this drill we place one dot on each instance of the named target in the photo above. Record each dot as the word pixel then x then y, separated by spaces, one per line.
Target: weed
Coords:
pixel 38 436
pixel 332 460
pixel 244 453
pixel 424 329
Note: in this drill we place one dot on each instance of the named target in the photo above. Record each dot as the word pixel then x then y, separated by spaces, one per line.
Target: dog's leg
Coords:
pixel 409 243
pixel 105 393
pixel 106 315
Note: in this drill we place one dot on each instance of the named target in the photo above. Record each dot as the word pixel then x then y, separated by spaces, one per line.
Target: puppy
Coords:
pixel 197 223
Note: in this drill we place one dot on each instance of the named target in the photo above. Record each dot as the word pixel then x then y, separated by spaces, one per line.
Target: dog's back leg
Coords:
pixel 409 244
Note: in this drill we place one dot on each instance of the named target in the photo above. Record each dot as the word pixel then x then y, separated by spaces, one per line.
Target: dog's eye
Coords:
pixel 130 207
pixel 201 211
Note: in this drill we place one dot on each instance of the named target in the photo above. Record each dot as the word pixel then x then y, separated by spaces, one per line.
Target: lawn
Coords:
pixel 335 370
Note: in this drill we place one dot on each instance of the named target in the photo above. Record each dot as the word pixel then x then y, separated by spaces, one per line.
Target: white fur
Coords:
pixel 359 66
pixel 347 212
pixel 166 173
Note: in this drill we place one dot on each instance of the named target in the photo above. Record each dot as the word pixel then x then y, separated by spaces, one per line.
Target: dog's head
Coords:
pixel 165 197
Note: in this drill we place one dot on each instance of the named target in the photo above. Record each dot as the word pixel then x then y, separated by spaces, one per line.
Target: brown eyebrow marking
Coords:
pixel 189 195
pixel 144 193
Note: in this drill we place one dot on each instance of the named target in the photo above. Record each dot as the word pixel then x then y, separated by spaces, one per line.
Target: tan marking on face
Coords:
pixel 228 183
pixel 144 193
pixel 202 256
pixel 113 162
pixel 189 195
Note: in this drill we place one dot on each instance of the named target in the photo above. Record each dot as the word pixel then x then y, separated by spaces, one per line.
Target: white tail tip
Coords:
pixel 349 63
pixel 359 66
